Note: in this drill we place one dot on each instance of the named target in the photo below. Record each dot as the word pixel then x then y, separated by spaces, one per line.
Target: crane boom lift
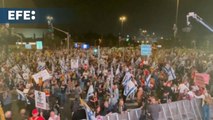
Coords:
pixel 198 19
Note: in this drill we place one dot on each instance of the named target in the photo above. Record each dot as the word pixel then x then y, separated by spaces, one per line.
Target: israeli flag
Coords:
pixel 132 62
pixel 138 61
pixel 90 92
pixel 113 61
pixel 112 72
pixel 170 72
pixel 92 70
pixel 25 69
pixel 90 114
pixel 41 66
pixel 126 78
pixel 64 68
pixel 147 81
pixel 117 70
pixel 129 89
pixel 8 63
pixel 62 61
pixel 74 64
pixel 53 67
pixel 14 69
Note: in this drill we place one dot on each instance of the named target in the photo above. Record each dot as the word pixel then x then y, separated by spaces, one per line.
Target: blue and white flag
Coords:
pixel 126 78
pixel 117 70
pixel 25 69
pixel 92 70
pixel 64 68
pixel 111 79
pixel 138 61
pixel 90 114
pixel 41 66
pixel 147 81
pixel 74 63
pixel 132 62
pixel 53 67
pixel 112 72
pixel 14 69
pixel 170 72
pixel 129 89
pixel 90 92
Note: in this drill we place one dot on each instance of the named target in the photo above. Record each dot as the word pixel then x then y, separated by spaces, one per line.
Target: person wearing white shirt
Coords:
pixel 53 116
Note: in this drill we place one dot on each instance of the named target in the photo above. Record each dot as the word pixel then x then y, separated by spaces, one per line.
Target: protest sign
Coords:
pixel 201 79
pixel 25 76
pixel 14 69
pixel 146 50
pixel 42 74
pixel 74 63
pixel 40 100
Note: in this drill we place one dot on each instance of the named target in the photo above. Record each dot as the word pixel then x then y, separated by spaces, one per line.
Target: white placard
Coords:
pixel 26 76
pixel 40 100
pixel 15 69
pixel 42 74
pixel 74 63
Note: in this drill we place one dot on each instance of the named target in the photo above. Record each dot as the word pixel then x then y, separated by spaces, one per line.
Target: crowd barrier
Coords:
pixel 180 110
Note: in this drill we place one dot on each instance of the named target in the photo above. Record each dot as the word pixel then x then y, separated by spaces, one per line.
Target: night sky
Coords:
pixel 102 16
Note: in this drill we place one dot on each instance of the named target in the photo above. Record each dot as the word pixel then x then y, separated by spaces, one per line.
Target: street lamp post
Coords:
pixel 122 19
pixel 177 11
pixel 49 19
pixel 175 27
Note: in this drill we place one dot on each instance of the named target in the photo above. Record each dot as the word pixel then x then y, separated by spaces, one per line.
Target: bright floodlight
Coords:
pixel 144 31
pixel 49 18
pixel 122 18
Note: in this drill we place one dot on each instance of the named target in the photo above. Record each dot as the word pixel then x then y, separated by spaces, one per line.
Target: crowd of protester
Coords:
pixel 104 72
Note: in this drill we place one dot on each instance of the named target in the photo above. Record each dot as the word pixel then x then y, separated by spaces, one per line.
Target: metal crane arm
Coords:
pixel 198 19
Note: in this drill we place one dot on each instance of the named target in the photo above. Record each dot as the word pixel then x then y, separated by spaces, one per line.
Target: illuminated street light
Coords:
pixel 142 42
pixel 144 31
pixel 49 19
pixel 153 33
pixel 122 19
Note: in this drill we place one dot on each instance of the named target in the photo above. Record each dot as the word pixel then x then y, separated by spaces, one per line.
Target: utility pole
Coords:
pixel 49 20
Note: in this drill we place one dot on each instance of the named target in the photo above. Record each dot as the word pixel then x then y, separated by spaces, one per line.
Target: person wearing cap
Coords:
pixel 35 115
